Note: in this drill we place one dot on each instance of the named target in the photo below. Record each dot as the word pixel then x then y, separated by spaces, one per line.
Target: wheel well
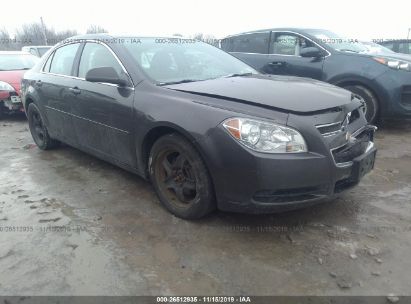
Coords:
pixel 355 83
pixel 151 137
pixel 359 83
pixel 28 101
pixel 154 134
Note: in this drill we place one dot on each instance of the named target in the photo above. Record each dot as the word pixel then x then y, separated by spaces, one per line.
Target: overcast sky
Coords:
pixel 350 18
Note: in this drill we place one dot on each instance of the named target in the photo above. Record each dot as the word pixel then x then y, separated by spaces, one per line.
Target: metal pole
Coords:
pixel 44 31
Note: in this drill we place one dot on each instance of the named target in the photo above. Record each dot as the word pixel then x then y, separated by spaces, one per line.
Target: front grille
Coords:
pixel 406 95
pixel 290 195
pixel 353 149
pixel 335 127
pixel 329 128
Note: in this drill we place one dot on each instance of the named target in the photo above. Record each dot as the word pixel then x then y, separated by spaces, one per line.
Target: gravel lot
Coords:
pixel 74 225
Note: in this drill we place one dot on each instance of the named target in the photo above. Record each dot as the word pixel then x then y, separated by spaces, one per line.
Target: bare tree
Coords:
pixel 60 36
pixel 96 29
pixel 198 36
pixel 6 42
pixel 211 39
pixel 32 34
pixel 207 38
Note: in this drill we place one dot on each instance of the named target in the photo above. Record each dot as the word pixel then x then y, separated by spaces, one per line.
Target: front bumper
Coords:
pixel 12 103
pixel 252 182
pixel 395 98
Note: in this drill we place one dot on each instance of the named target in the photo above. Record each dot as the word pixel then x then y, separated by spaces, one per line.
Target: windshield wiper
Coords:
pixel 239 75
pixel 177 82
pixel 347 50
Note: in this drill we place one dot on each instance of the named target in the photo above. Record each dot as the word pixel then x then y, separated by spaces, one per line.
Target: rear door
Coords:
pixel 53 87
pixel 103 112
pixel 252 48
pixel 284 56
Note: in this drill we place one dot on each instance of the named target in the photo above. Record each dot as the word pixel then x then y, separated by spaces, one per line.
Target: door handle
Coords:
pixel 75 90
pixel 277 63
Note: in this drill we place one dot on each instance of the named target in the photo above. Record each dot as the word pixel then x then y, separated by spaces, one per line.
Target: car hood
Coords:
pixel 292 94
pixel 13 78
pixel 397 56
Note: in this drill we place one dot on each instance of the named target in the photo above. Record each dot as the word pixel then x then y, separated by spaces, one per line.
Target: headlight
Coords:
pixel 4 86
pixel 264 136
pixel 394 64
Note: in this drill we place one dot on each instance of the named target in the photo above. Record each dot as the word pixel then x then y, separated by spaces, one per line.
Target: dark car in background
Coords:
pixel 208 130
pixel 382 80
pixel 399 46
pixel 12 67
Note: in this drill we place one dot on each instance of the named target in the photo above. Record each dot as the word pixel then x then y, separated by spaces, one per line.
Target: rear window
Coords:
pixel 249 43
pixel 13 62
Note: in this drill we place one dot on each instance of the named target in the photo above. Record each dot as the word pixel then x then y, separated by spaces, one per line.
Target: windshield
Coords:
pixel 337 42
pixel 12 62
pixel 375 48
pixel 172 60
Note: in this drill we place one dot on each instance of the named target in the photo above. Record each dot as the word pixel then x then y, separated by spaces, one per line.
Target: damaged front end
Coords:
pixel 10 102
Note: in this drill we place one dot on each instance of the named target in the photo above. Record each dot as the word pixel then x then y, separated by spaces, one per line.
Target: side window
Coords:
pixel 96 56
pixel 63 59
pixel 389 45
pixel 48 63
pixel 405 47
pixel 289 44
pixel 251 43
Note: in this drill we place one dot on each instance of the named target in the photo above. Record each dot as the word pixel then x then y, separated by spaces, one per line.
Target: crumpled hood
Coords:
pixel 294 94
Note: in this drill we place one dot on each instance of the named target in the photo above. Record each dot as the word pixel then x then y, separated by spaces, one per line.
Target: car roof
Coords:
pixel 37 46
pixel 106 36
pixel 286 29
pixel 14 53
pixel 396 40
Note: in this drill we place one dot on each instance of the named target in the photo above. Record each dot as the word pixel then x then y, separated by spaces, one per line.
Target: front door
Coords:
pixel 284 57
pixel 103 112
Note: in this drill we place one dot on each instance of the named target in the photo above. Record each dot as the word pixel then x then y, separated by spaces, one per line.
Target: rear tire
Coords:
pixel 38 129
pixel 180 178
pixel 371 109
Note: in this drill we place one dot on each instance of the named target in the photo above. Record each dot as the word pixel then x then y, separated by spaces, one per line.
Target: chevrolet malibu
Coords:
pixel 206 129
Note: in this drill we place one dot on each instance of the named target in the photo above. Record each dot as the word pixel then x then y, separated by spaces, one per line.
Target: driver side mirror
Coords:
pixel 107 75
pixel 310 52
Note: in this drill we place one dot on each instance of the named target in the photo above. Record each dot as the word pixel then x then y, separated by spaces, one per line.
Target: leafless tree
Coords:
pixel 96 29
pixel 5 40
pixel 32 34
pixel 207 38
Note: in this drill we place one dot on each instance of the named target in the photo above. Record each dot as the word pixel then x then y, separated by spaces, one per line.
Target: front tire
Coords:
pixel 180 178
pixel 38 129
pixel 371 107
